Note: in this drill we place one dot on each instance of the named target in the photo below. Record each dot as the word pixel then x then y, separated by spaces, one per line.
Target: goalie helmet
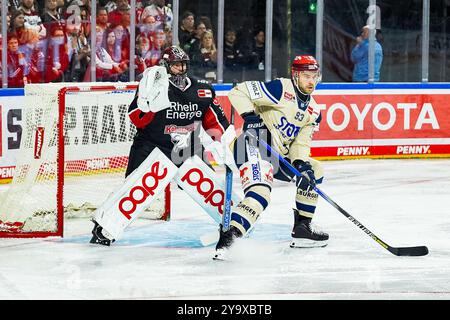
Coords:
pixel 304 63
pixel 170 56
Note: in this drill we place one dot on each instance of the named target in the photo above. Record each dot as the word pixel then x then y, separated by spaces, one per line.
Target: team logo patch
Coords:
pixel 288 96
pixel 204 93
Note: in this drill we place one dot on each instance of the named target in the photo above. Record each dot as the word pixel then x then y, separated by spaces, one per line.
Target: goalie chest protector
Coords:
pixel 190 109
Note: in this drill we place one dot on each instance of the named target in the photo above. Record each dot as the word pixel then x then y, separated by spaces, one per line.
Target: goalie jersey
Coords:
pixel 290 116
pixel 178 127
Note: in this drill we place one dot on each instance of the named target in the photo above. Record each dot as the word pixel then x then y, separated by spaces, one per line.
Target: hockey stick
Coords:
pixel 226 216
pixel 404 251
pixel 208 239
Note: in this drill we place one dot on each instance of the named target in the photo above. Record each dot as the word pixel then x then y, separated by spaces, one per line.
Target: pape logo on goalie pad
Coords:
pixel 137 192
pixel 149 183
pixel 204 186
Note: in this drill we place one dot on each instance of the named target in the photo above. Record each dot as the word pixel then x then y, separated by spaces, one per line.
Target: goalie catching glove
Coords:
pixel 153 90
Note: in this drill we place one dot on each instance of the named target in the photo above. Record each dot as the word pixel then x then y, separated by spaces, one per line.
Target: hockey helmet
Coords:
pixel 304 63
pixel 173 54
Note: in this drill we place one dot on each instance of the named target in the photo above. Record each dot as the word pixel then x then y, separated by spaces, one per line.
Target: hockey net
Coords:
pixel 73 154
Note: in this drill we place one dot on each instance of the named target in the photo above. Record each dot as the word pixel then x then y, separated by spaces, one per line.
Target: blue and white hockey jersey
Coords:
pixel 290 120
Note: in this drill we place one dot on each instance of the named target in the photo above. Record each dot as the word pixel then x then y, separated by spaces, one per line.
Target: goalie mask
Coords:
pixel 176 62
pixel 305 73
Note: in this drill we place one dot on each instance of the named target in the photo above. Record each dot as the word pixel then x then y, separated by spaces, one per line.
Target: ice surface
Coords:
pixel 404 202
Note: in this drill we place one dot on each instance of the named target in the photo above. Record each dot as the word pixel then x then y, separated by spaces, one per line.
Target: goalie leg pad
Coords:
pixel 202 184
pixel 139 189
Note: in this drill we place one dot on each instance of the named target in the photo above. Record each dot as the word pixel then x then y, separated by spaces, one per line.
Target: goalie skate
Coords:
pixel 98 237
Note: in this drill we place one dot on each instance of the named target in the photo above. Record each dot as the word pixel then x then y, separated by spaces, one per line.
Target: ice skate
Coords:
pixel 225 241
pixel 98 236
pixel 304 236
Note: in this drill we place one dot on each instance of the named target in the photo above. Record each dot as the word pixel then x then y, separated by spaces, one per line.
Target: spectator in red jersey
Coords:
pixel 115 16
pixel 106 68
pixel 28 38
pixel 17 26
pixel 57 56
pixel 143 50
pixel 16 63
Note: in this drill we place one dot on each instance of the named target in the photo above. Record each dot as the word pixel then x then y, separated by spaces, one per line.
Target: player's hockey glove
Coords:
pixel 304 167
pixel 252 121
pixel 222 151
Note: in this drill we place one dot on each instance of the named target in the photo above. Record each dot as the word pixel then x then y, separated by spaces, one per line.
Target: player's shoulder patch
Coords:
pixel 204 93
pixel 273 90
pixel 254 89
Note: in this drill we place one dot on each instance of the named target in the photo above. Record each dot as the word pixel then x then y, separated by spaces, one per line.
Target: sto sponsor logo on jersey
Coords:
pixel 256 172
pixel 179 111
pixel 204 93
pixel 287 129
pixel 140 193
pixel 205 187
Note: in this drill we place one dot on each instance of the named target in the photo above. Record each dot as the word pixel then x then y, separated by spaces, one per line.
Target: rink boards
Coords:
pixel 358 121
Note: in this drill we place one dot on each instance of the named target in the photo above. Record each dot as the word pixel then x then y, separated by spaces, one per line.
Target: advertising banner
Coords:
pixel 356 123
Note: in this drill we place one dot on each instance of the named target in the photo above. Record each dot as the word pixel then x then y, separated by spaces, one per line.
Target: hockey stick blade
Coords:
pixel 409 251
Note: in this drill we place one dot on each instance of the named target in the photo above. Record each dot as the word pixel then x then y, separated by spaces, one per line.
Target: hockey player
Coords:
pixel 283 113
pixel 170 115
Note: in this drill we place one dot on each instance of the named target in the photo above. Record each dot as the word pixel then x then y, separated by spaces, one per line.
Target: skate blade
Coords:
pixel 221 255
pixel 307 243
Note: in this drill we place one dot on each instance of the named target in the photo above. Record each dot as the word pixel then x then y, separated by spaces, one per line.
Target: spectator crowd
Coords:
pixel 49 41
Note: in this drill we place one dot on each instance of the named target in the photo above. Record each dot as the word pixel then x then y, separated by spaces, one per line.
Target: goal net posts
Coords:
pixel 73 154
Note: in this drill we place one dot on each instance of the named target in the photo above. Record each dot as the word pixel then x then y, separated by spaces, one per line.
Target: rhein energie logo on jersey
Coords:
pixel 183 111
